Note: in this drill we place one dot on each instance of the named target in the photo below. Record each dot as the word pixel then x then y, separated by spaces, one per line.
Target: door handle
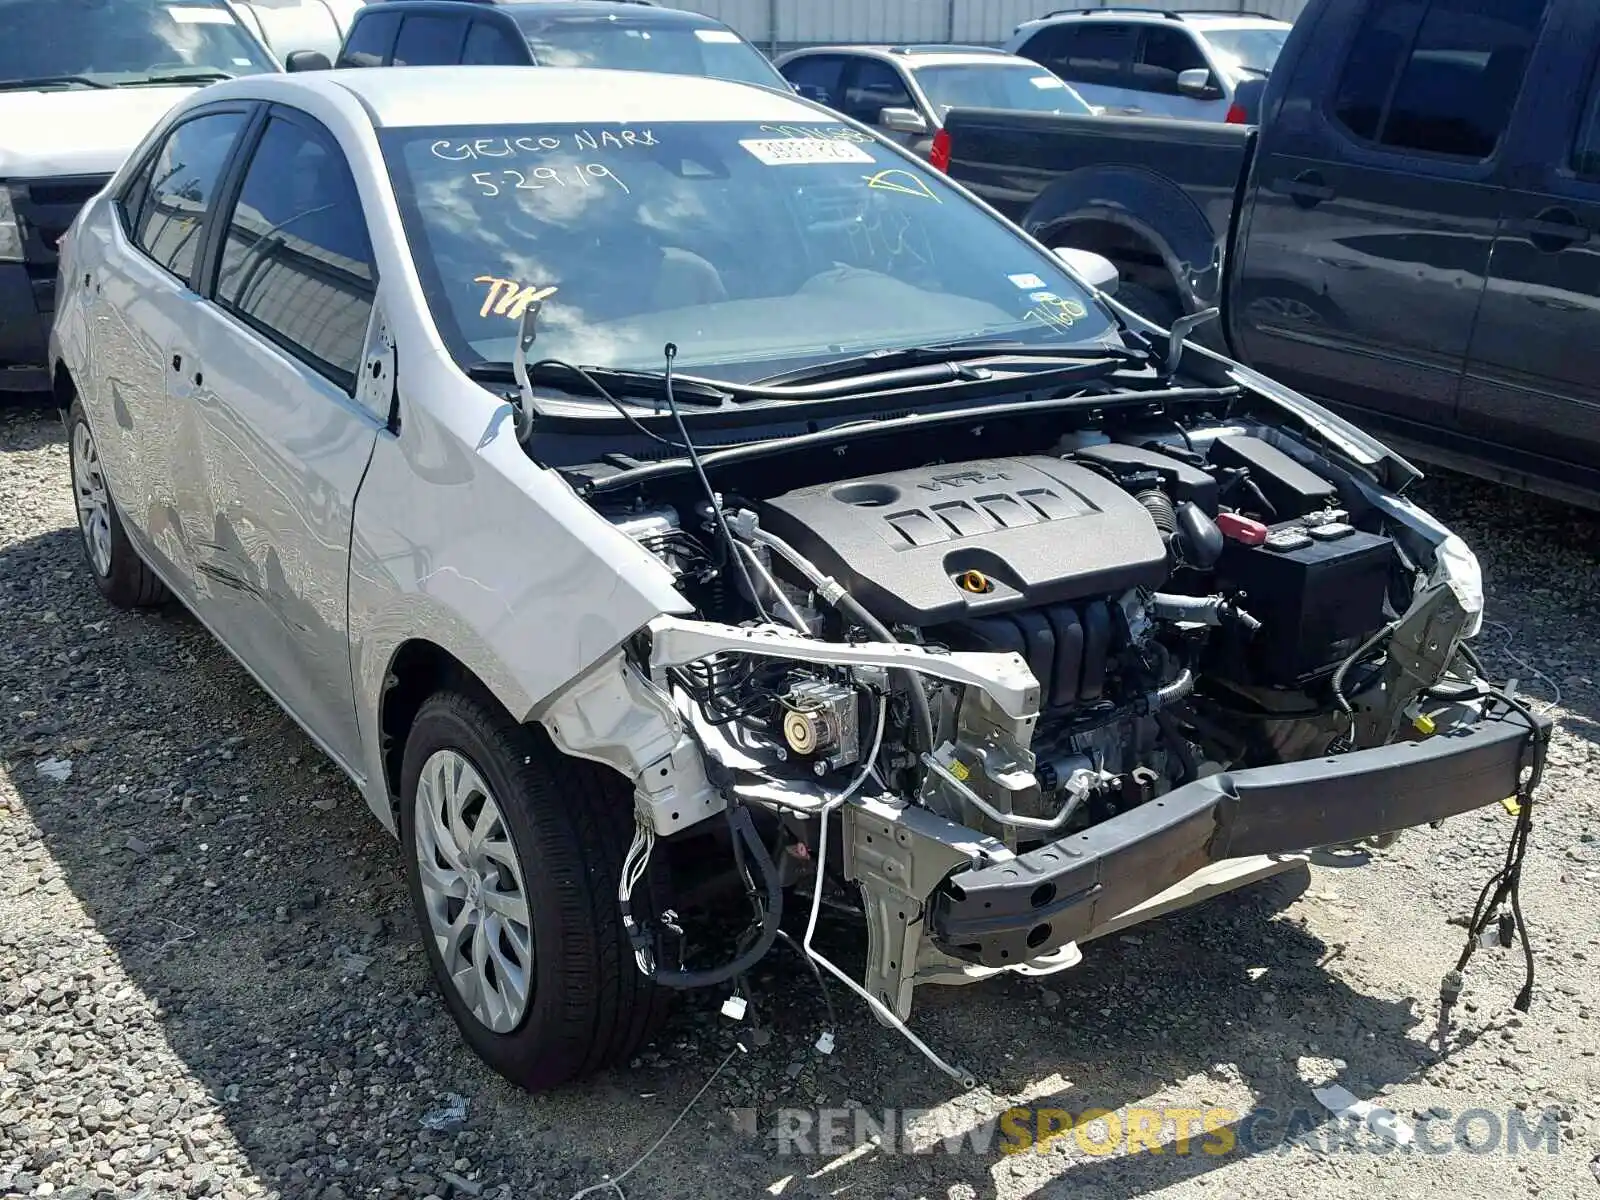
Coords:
pixel 1307 189
pixel 1553 230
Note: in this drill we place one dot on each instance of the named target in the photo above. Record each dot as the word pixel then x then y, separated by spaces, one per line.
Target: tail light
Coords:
pixel 939 153
pixel 1237 115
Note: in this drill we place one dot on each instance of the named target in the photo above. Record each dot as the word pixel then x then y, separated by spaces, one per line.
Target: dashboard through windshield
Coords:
pixel 756 248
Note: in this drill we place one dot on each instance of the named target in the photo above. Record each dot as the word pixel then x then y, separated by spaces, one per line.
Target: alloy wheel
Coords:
pixel 472 886
pixel 94 501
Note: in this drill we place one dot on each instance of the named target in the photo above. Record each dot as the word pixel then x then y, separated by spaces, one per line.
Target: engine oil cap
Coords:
pixel 1332 531
pixel 1241 529
pixel 1286 540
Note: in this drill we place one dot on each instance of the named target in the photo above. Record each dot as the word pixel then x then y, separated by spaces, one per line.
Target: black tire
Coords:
pixel 124 579
pixel 1148 303
pixel 570 822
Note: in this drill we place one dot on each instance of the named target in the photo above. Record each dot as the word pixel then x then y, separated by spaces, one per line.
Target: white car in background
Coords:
pixel 81 81
pixel 668 501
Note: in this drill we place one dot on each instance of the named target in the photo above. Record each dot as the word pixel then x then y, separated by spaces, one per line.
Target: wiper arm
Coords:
pixel 22 85
pixel 962 357
pixel 686 389
pixel 197 76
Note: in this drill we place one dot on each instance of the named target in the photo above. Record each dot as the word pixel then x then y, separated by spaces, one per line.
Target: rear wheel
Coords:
pixel 513 853
pixel 121 575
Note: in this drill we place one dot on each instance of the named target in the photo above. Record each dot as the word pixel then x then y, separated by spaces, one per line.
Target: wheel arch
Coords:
pixel 418 669
pixel 63 388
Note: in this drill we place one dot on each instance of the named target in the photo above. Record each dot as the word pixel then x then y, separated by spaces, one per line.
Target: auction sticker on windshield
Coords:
pixel 784 152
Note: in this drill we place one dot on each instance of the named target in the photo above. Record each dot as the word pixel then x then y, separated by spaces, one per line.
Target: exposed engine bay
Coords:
pixel 977 667
pixel 1126 575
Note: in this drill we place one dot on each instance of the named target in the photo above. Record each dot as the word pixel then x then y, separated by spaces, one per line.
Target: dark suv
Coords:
pixel 577 33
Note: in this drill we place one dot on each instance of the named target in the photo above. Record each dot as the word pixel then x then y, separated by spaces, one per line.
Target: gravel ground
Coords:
pixel 210 982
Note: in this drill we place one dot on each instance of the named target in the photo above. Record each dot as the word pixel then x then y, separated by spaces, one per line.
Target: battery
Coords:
pixel 1315 596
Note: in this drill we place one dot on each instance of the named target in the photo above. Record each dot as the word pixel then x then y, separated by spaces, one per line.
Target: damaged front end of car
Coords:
pixel 1004 704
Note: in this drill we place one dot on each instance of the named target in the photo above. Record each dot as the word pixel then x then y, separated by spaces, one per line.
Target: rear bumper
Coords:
pixel 24 332
pixel 1016 910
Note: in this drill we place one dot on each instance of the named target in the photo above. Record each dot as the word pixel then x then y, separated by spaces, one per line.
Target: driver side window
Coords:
pixel 297 264
pixel 873 87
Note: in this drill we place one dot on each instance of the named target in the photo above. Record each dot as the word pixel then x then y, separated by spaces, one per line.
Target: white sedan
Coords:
pixel 642 486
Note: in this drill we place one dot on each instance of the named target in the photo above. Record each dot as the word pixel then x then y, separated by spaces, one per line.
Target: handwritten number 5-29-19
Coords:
pixel 537 179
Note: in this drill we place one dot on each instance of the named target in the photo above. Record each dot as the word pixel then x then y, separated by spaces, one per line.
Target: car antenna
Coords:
pixel 527 334
pixel 1181 329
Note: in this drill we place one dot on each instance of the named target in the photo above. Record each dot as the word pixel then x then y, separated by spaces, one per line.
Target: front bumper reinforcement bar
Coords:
pixel 1016 910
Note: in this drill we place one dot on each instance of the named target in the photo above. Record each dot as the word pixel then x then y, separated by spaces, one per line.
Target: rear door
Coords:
pixel 1096 57
pixel 146 330
pixel 285 441
pixel 1374 200
pixel 1532 385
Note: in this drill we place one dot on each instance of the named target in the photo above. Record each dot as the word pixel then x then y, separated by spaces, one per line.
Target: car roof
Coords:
pixel 479 95
pixel 634 10
pixel 918 56
pixel 1201 20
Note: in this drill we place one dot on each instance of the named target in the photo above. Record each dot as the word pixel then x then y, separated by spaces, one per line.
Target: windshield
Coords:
pixel 1029 88
pixel 122 41
pixel 679 48
pixel 1252 49
pixel 755 248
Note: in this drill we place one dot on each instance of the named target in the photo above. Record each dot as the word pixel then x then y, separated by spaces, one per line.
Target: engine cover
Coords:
pixel 1040 529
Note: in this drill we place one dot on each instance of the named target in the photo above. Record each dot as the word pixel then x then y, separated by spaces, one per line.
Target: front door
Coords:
pixel 1532 386
pixel 1372 216
pixel 286 443
pixel 1095 57
pixel 870 86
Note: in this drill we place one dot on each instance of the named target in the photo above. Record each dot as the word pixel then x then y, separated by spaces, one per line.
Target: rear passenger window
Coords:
pixel 183 185
pixel 296 264
pixel 430 40
pixel 1438 76
pixel 1164 54
pixel 488 45
pixel 369 41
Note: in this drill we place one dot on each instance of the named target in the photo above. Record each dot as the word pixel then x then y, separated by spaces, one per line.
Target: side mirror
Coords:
pixel 1098 271
pixel 306 60
pixel 1197 83
pixel 902 120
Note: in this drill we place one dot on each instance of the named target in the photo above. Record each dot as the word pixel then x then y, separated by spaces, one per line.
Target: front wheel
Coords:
pixel 513 853
pixel 121 575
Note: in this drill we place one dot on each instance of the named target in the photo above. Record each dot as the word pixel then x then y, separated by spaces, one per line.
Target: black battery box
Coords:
pixel 1316 587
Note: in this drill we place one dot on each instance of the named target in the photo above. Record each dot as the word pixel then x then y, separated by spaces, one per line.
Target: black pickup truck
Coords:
pixel 1411 234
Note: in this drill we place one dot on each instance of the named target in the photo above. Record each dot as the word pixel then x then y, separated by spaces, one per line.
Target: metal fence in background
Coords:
pixel 778 25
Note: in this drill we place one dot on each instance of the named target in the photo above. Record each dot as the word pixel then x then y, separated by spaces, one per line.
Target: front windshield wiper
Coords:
pixel 22 85
pixel 962 357
pixel 686 389
pixel 200 75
